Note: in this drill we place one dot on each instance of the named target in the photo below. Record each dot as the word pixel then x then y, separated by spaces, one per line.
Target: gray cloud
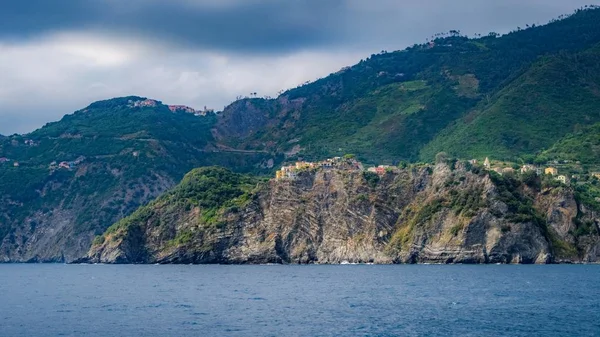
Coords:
pixel 269 26
pixel 57 56
pixel 245 26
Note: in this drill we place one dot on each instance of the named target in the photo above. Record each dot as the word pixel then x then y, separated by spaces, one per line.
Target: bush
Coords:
pixel 98 240
pixel 371 178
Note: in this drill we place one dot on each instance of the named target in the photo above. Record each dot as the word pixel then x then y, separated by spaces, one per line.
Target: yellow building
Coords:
pixel 302 165
pixel 596 174
pixel 551 170
pixel 279 174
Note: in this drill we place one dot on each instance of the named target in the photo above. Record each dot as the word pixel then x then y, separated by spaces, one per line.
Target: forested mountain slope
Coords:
pixel 555 96
pixel 392 106
pixel 77 176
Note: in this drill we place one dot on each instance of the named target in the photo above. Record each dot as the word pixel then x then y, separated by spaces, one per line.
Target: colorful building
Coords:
pixel 551 170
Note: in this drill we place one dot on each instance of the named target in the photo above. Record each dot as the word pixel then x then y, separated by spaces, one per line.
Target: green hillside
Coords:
pixel 582 146
pixel 391 106
pixel 121 157
pixel 202 200
pixel 555 96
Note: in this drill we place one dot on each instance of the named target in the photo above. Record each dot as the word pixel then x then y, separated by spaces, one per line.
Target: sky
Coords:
pixel 59 56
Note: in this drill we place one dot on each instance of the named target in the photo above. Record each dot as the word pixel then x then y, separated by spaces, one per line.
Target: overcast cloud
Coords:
pixel 58 56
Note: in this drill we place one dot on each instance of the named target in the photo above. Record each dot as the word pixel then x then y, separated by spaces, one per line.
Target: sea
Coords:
pixel 286 300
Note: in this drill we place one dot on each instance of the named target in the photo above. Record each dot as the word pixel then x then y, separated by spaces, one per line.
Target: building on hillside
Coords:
pixel 327 164
pixel 594 174
pixel 487 163
pixel 65 165
pixel 473 161
pixel 527 168
pixel 136 153
pixel 381 169
pixel 287 172
pixel 372 169
pixel 16 164
pixel 300 165
pixel 508 170
pixel 551 170
pixel 4 160
pixel 146 103
pixel 562 179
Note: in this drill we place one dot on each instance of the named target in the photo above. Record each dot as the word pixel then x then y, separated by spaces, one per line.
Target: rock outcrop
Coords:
pixel 448 213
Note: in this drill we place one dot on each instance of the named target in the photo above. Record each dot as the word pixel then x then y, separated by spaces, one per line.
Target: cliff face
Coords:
pixel 449 213
pixel 58 223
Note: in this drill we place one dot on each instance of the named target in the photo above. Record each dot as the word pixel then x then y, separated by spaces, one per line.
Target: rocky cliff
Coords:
pixel 447 213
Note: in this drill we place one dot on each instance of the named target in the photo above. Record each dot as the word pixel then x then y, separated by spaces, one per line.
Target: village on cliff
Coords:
pixel 350 163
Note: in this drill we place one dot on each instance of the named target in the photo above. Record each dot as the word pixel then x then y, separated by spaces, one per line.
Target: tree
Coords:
pixel 441 157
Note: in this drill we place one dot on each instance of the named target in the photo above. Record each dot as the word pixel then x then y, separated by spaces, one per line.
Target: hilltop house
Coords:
pixel 527 168
pixel 379 170
pixel 551 170
pixel 143 103
pixel 288 172
pixel 562 179
pixel 16 164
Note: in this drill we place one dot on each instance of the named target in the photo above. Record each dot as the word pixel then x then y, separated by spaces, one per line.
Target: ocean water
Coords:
pixel 344 300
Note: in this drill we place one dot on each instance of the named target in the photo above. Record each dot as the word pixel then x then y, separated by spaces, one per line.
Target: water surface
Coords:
pixel 347 300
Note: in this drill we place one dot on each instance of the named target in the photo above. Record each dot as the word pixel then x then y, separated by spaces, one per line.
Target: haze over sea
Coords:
pixel 347 300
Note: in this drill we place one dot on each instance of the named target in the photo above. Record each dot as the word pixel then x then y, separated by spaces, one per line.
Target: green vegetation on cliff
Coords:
pixel 203 198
